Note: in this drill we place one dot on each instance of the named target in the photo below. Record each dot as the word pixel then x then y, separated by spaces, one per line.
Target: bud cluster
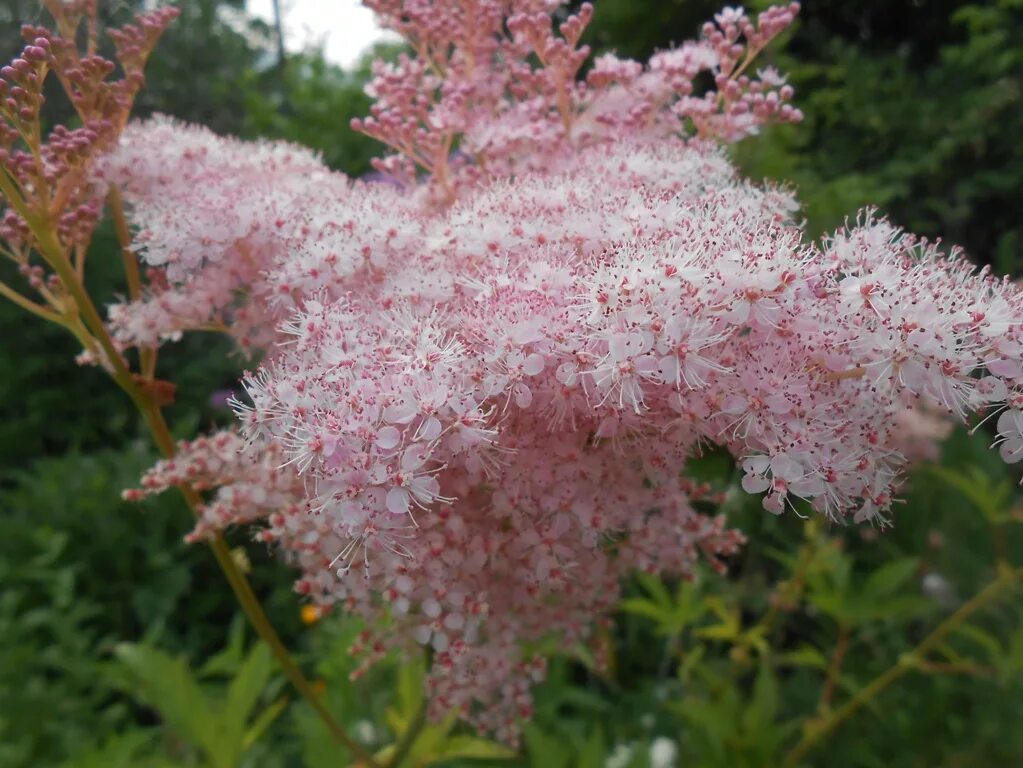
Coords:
pixel 49 201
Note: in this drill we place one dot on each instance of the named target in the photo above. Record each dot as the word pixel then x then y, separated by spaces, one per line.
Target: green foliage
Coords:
pixel 312 104
pixel 47 665
pixel 83 571
pixel 203 40
pixel 738 681
pixel 925 128
pixel 223 724
pixel 49 405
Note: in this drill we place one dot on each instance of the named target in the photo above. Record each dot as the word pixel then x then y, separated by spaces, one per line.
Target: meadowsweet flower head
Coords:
pixel 479 390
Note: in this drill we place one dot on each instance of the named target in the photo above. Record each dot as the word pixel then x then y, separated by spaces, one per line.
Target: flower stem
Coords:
pixel 248 600
pixel 147 354
pixel 907 662
pixel 834 668
pixel 55 255
pixel 27 304
pixel 408 738
pixel 131 264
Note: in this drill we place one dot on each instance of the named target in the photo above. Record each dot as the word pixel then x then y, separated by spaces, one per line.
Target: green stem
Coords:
pixel 905 664
pixel 147 354
pixel 131 264
pixel 27 304
pixel 55 255
pixel 408 738
pixel 834 668
pixel 248 600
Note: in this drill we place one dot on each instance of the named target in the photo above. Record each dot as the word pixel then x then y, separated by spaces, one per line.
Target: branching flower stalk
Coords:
pixel 916 659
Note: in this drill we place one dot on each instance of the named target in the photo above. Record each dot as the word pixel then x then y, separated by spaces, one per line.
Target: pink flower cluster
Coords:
pixel 243 488
pixel 477 403
pixel 264 219
pixel 495 80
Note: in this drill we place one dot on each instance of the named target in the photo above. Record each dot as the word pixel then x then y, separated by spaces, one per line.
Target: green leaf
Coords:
pixel 763 705
pixel 890 577
pixel 643 607
pixel 410 687
pixel 168 685
pixel 227 661
pixel 250 682
pixel 474 747
pixel 804 656
pixel 729 627
pixel 119 751
pixel 545 750
pixel 712 724
pixel 428 744
pixel 990 498
pixel 991 644
pixel 263 721
pixel 592 754
pixel 656 589
pixel 861 610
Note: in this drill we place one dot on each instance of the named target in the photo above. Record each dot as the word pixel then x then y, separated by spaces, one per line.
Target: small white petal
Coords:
pixel 533 364
pixel 388 438
pixel 398 501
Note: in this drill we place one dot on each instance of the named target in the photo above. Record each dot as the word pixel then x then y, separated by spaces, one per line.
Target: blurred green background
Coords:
pixel 121 646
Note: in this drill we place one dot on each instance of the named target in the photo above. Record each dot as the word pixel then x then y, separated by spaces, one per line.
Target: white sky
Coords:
pixel 345 27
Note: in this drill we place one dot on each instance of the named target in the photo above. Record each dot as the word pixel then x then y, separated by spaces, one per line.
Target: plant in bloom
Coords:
pixel 477 387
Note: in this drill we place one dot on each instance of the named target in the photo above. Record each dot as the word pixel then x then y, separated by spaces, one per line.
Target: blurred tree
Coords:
pixel 313 106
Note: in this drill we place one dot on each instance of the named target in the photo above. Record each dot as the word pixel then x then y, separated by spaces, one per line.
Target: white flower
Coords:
pixel 663 753
pixel 620 757
pixel 1010 436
